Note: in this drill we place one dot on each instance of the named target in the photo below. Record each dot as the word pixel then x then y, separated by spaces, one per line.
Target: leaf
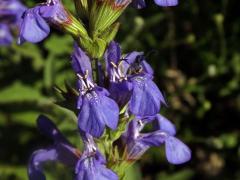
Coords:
pixel 19 92
pixel 180 175
pixel 58 45
pixel 133 173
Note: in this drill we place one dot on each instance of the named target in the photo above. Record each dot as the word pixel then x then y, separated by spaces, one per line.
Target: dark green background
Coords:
pixel 194 49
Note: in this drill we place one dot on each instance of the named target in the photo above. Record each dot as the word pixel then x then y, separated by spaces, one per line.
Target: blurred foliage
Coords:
pixel 194 49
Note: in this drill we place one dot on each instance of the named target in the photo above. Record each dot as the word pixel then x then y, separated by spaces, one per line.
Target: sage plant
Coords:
pixel 115 94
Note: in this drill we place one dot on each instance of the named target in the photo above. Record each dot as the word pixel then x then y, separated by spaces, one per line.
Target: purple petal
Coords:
pixel 146 67
pixel 36 161
pixel 121 92
pixel 136 149
pixel 81 62
pixel 166 3
pixel 62 153
pixel 113 53
pixel 132 132
pixel 132 57
pixel 79 102
pixel 62 145
pixel 33 28
pixel 11 11
pixel 155 138
pixel 97 111
pixel 146 98
pixel 88 120
pixel 110 112
pixel 165 125
pixel 176 151
pixel 5 35
pixel 90 167
pixel 54 12
pixel 49 129
pixel 102 91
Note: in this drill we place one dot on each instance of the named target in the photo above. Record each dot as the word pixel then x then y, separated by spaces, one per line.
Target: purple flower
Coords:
pixel 11 11
pixel 81 63
pixel 5 35
pixel 146 97
pixel 120 86
pixel 54 12
pixel 97 110
pixel 162 123
pixel 165 3
pixel 62 151
pixel 131 81
pixel 10 18
pixel 91 165
pixel 35 28
pixel 138 143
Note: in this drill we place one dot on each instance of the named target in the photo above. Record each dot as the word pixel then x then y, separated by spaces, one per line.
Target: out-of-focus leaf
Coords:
pixel 19 92
pixel 133 173
pixel 180 175
pixel 58 45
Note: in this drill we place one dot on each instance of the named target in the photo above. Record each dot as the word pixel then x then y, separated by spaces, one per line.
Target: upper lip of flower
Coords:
pixel 86 84
pixel 117 71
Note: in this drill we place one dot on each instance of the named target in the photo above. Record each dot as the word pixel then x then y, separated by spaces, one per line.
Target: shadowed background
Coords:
pixel 195 52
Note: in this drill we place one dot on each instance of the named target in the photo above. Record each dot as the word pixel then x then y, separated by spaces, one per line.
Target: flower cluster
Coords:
pixel 115 95
pixel 88 165
pixel 10 19
pixel 126 83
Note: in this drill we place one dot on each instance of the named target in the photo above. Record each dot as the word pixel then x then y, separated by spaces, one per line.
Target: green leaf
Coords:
pixel 133 173
pixel 180 175
pixel 19 92
pixel 59 45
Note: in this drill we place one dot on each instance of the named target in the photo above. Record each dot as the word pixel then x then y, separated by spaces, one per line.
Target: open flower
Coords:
pixel 91 165
pixel 11 11
pixel 138 143
pixel 10 19
pixel 97 110
pixel 131 82
pixel 120 87
pixel 35 24
pixel 34 28
pixel 61 151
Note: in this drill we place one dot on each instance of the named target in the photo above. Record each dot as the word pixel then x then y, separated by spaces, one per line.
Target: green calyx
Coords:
pixel 75 27
pixel 95 47
pixel 100 24
pixel 103 14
